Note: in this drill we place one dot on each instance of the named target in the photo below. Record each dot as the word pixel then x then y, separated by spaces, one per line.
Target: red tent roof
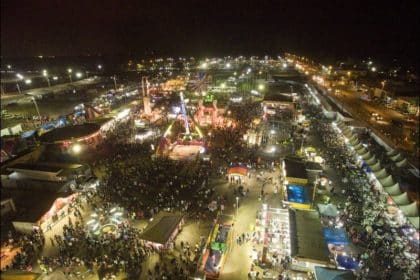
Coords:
pixel 238 170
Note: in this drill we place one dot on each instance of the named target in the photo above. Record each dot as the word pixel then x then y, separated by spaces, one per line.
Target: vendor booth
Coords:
pixel 237 172
pixel 308 246
pixel 272 228
pixel 161 232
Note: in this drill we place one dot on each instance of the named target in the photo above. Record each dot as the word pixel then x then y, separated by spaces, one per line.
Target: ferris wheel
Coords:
pixel 200 84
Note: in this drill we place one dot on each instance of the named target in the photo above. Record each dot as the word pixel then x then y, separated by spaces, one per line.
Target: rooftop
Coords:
pixel 69 132
pixel 306 236
pixel 161 229
pixel 295 168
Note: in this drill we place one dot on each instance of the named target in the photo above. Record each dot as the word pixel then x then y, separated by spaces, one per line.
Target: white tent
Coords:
pixel 380 174
pixel 387 182
pixel 393 190
pixel 375 167
pixel 410 210
pixel 397 157
pixel 391 153
pixel 414 221
pixel 358 146
pixel 366 155
pixel 328 210
pixel 348 134
pixel 401 199
pixel 401 163
pixel 354 142
pixel 371 160
pixel 362 151
pixel 353 138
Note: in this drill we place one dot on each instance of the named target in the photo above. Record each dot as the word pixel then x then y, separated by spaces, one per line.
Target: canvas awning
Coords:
pixel 238 170
pixel 358 146
pixel 414 221
pixel 366 156
pixel 387 182
pixel 410 210
pixel 380 174
pixel 401 199
pixel 328 210
pixel 393 190
pixel 391 153
pixel 362 150
pixel 353 139
pixel 397 157
pixel 371 160
pixel 401 163
pixel 375 167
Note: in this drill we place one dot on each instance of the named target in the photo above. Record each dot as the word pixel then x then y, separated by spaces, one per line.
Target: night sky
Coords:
pixel 207 28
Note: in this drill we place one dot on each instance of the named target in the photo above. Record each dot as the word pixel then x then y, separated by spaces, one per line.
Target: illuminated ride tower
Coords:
pixel 146 97
pixel 181 145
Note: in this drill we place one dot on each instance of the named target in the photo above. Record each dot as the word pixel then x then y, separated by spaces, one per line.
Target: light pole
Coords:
pixel 237 206
pixel 45 74
pixel 69 71
pixel 115 82
pixel 36 106
pixel 20 77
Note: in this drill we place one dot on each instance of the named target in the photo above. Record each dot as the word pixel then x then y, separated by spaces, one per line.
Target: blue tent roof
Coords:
pixel 324 273
pixel 336 236
pixel 347 262
pixel 28 134
pixel 298 194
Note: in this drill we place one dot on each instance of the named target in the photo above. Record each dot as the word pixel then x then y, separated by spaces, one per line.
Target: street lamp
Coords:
pixel 99 66
pixel 383 84
pixel 36 107
pixel 28 81
pixel 78 75
pixel 261 87
pixel 45 74
pixel 69 71
pixel 115 82
pixel 76 148
pixel 237 206
pixel 20 77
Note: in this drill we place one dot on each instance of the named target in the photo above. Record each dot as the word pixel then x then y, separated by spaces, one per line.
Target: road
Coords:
pixel 25 96
pixel 362 111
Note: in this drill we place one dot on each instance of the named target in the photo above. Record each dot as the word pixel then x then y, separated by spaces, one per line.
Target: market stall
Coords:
pixel 163 229
pixel 272 234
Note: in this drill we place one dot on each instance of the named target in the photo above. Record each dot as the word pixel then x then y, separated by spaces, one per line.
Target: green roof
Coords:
pixel 162 228
pixel 306 236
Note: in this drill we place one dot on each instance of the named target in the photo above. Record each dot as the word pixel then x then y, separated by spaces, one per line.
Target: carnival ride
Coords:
pixel 104 222
pixel 200 83
pixel 178 144
pixel 208 114
pixel 148 114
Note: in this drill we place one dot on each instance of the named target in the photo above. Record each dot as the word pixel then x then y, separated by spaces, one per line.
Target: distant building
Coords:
pixel 57 177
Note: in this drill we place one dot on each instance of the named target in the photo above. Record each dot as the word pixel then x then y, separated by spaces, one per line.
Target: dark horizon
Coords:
pixel 318 29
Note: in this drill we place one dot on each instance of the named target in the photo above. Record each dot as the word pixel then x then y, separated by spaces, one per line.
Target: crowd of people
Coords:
pixel 29 246
pixel 386 249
